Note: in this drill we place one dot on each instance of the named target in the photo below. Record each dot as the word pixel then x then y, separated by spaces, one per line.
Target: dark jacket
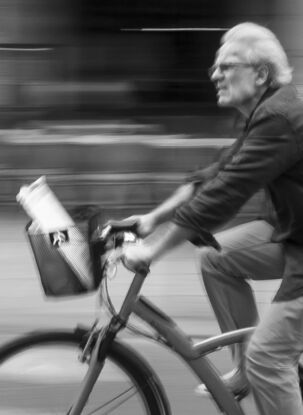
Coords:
pixel 268 154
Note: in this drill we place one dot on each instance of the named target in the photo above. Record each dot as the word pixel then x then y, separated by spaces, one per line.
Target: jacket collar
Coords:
pixel 268 93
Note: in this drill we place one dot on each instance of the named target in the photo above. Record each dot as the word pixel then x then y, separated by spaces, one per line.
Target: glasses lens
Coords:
pixel 223 67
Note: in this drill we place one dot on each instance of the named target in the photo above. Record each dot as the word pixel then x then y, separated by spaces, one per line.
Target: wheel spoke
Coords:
pixel 44 378
pixel 51 376
pixel 122 397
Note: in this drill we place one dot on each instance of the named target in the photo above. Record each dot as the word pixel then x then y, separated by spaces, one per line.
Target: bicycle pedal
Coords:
pixel 201 390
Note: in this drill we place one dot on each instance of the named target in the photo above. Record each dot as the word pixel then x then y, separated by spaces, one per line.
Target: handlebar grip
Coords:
pixel 125 225
pixel 99 234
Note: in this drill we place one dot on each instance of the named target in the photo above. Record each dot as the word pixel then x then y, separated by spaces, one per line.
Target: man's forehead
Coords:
pixel 230 51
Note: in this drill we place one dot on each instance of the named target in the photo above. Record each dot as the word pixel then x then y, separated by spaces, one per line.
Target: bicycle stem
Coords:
pixel 131 296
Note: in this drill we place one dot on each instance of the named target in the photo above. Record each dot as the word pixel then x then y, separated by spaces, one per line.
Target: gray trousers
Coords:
pixel 274 350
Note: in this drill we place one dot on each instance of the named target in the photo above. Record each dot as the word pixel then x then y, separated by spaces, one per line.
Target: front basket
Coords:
pixel 63 260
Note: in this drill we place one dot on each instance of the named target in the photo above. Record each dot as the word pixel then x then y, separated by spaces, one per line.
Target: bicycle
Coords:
pixel 114 378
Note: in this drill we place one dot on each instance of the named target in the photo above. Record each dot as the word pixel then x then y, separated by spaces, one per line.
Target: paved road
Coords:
pixel 52 383
pixel 174 285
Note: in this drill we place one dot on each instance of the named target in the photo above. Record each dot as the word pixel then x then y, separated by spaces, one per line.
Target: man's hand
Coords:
pixel 146 224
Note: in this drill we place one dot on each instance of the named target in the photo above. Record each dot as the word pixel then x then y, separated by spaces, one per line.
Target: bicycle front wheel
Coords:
pixel 40 373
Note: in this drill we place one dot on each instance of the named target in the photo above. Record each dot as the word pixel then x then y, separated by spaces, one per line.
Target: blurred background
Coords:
pixel 126 79
pixel 89 59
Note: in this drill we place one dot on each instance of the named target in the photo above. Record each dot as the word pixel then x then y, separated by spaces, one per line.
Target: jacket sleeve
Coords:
pixel 267 151
pixel 201 176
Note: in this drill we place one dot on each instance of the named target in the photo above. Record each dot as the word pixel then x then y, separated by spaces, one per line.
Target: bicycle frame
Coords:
pixel 174 338
pixel 195 354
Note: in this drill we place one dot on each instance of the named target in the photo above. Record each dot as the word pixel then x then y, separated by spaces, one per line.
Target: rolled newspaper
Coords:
pixel 50 217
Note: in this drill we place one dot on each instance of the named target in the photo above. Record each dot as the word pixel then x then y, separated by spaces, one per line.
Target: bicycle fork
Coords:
pixel 103 343
pixel 96 363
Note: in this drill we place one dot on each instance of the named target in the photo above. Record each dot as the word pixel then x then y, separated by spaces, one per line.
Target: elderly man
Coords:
pixel 251 73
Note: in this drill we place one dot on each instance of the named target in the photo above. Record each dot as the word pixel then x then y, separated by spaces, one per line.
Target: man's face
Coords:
pixel 236 80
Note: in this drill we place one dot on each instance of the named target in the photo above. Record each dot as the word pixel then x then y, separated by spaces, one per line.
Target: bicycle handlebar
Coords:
pixel 113 235
pixel 114 227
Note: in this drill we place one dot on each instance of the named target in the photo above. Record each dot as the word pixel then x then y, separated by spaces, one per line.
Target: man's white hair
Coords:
pixel 262 47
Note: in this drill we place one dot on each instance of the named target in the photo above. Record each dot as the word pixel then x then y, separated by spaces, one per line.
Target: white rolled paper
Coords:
pixel 41 204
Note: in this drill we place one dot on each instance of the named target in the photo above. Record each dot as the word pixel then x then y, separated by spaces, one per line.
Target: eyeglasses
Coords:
pixel 223 67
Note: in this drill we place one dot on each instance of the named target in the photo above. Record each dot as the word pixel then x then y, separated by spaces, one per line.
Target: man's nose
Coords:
pixel 217 74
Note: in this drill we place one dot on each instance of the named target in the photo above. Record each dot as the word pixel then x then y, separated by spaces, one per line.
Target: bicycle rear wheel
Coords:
pixel 40 373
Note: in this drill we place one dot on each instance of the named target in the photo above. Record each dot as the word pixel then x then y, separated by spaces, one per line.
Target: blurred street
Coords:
pixel 174 285
pixel 124 174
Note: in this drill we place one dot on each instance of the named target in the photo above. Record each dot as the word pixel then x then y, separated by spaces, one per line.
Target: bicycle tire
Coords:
pixel 147 389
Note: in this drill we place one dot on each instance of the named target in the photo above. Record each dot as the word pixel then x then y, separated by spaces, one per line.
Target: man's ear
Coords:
pixel 263 75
